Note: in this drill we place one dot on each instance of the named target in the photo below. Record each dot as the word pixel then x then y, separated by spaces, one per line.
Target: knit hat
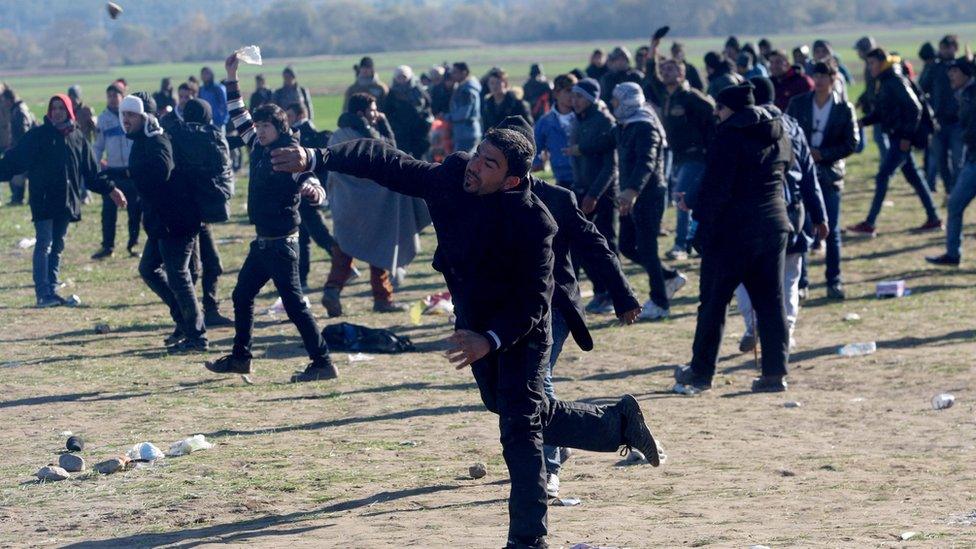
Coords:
pixel 764 92
pixel 403 70
pixel 738 97
pixel 963 65
pixel 132 103
pixel 519 124
pixel 588 88
pixel 197 110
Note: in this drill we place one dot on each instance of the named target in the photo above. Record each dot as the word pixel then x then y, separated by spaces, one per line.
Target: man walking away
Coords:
pixel 172 223
pixel 60 165
pixel 742 233
pixel 962 75
pixel 906 122
pixel 112 144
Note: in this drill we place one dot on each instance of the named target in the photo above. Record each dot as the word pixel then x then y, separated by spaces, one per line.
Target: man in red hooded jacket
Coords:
pixel 60 165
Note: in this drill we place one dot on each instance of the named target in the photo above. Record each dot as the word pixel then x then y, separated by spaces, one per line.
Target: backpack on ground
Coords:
pixel 361 339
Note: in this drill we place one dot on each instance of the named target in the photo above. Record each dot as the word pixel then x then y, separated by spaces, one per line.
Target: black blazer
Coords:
pixel 495 251
pixel 840 139
pixel 577 234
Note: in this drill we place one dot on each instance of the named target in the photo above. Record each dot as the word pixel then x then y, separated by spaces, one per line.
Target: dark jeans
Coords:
pixel 511 385
pixel 277 261
pixel 604 217
pixel 47 255
pixel 757 264
pixel 110 214
pixel 207 267
pixel 560 333
pixel 312 229
pixel 638 240
pixel 894 159
pixel 945 156
pixel 165 266
pixel 832 195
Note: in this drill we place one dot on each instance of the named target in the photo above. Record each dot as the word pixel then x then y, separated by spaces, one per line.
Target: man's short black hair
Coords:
pixel 190 87
pixel 461 66
pixel 272 114
pixel 299 109
pixel 950 40
pixel 877 53
pixel 597 51
pixel 517 149
pixel 359 102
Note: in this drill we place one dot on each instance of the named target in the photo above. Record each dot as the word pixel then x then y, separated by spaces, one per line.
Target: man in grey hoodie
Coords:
pixel 112 153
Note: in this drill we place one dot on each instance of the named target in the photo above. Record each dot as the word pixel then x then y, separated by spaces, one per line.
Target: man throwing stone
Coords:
pixel 495 252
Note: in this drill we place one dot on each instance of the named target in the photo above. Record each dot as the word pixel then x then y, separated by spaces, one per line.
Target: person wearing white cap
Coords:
pixel 407 108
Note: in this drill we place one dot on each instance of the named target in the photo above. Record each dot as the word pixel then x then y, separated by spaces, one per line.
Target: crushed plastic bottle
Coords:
pixel 250 55
pixel 858 349
pixel 189 445
pixel 943 401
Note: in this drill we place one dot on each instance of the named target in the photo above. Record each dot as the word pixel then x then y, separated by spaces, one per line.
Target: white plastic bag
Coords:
pixel 145 451
pixel 250 55
pixel 189 445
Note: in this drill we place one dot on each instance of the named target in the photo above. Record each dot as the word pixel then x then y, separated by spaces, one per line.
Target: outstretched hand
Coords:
pixel 290 159
pixel 467 347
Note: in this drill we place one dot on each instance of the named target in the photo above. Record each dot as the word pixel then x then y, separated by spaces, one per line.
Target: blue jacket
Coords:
pixel 549 136
pixel 216 95
pixel 465 111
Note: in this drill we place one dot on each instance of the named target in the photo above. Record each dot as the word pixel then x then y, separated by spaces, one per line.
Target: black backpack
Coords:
pixel 202 157
pixel 360 339
pixel 927 125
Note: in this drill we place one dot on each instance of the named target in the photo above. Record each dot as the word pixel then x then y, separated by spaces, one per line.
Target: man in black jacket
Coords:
pixel 742 236
pixel 495 251
pixel 595 176
pixel 598 65
pixel 574 232
pixel 171 225
pixel 946 146
pixel 261 95
pixel 408 109
pixel 830 126
pixel 59 162
pixel 313 227
pixel 272 206
pixel 897 108
pixel 618 63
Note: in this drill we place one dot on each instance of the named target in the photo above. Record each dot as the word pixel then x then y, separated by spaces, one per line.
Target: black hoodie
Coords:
pixel 742 187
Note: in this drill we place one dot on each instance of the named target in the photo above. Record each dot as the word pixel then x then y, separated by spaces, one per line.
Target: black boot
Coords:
pixel 317 371
pixel 636 435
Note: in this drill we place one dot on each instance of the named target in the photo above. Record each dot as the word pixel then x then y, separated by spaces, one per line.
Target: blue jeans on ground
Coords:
pixel 687 179
pixel 831 194
pixel 47 255
pixel 560 333
pixel 946 156
pixel 893 160
pixel 963 193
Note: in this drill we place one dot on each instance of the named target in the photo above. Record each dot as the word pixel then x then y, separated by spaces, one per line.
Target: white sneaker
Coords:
pixel 677 253
pixel 673 285
pixel 650 311
pixel 552 485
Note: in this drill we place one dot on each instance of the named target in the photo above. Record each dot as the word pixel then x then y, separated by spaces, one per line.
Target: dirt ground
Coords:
pixel 379 458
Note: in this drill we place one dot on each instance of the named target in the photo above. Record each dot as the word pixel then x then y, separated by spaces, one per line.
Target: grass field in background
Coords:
pixel 330 75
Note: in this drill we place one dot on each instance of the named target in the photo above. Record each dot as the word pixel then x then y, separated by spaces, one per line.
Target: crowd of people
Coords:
pixel 750 152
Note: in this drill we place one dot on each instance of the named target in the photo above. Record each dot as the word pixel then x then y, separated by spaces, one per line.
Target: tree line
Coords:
pixel 51 33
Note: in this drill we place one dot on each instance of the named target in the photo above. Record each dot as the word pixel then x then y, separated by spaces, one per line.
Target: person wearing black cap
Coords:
pixel 945 151
pixel 574 232
pixel 721 73
pixel 742 236
pixel 830 125
pixel 962 75
pixel 538 92
pixel 594 176
pixel 366 82
pixel 495 250
pixel 903 118
pixel 619 71
pixel 292 92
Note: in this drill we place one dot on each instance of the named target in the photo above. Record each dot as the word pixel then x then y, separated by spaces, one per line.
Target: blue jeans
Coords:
pixel 687 179
pixel 47 255
pixel 883 143
pixel 962 194
pixel 560 333
pixel 893 160
pixel 831 194
pixel 946 156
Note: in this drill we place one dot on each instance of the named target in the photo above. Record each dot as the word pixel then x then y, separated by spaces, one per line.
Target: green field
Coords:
pixel 329 75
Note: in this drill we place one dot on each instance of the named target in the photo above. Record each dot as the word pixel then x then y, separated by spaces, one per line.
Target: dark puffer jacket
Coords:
pixel 896 107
